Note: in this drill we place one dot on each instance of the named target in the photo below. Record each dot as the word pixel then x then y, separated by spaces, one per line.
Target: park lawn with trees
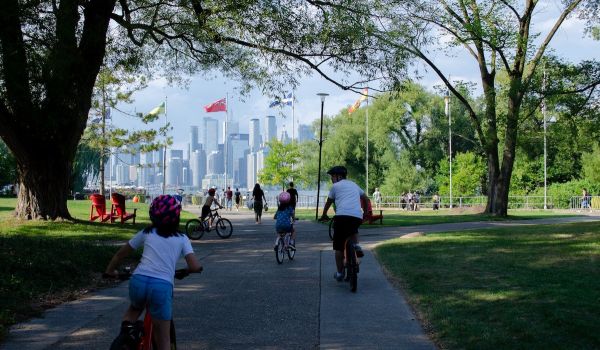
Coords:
pixel 45 263
pixel 512 288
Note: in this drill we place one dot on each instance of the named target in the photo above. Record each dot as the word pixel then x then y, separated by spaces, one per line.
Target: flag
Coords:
pixel 287 100
pixel 217 106
pixel 356 105
pixel 157 110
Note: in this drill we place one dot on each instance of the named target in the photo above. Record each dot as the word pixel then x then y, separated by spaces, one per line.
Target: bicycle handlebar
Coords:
pixel 123 276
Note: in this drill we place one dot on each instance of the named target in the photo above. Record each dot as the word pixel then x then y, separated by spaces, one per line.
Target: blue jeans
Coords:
pixel 156 293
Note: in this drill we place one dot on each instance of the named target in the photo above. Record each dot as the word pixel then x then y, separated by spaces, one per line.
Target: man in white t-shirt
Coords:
pixel 348 213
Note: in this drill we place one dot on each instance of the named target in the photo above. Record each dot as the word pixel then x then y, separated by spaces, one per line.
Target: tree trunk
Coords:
pixel 43 189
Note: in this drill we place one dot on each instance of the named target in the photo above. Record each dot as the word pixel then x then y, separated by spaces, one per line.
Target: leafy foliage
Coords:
pixel 468 170
pixel 279 164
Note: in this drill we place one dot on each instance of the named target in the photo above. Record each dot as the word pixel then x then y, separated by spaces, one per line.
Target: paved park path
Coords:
pixel 245 300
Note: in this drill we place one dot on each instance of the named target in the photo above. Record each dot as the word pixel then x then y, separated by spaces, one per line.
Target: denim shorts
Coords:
pixel 154 292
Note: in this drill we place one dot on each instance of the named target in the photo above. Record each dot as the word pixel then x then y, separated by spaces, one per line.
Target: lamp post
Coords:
pixel 447 110
pixel 322 95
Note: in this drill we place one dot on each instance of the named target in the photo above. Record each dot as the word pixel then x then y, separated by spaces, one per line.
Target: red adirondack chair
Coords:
pixel 98 210
pixel 118 209
pixel 368 215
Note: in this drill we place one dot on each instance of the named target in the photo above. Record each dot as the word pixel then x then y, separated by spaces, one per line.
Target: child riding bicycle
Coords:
pixel 210 201
pixel 285 217
pixel 151 284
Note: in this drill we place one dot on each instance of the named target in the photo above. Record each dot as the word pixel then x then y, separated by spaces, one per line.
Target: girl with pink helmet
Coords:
pixel 285 217
pixel 152 281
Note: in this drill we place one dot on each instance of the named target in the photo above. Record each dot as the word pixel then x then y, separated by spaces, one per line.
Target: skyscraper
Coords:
pixel 254 134
pixel 198 165
pixel 305 133
pixel 210 135
pixel 271 128
pixel 193 138
pixel 236 149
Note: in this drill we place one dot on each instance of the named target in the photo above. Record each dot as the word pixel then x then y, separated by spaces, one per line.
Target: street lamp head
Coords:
pixel 322 95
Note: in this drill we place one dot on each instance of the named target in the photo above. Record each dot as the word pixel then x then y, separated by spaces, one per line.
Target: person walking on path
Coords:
pixel 377 198
pixel 348 214
pixel 152 281
pixel 258 196
pixel 238 198
pixel 228 198
pixel 293 198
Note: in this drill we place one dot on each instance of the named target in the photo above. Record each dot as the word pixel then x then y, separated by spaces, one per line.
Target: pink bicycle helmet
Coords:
pixel 165 210
pixel 284 198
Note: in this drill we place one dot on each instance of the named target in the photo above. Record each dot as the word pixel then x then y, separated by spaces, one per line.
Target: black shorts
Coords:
pixel 343 227
pixel 205 212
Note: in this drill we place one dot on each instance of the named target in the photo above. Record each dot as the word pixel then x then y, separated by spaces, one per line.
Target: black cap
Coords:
pixel 338 170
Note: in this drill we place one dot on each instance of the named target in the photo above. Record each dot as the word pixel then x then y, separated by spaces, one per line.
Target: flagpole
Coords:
pixel 293 118
pixel 367 132
pixel 226 136
pixel 164 187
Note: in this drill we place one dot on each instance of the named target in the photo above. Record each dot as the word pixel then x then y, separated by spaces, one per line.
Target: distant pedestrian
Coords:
pixel 228 198
pixel 293 198
pixel 436 202
pixel 238 198
pixel 586 199
pixel 377 198
pixel 258 196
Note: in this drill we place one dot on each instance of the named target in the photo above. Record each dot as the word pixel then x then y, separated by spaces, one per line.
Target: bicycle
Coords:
pixel 351 259
pixel 283 247
pixel 195 229
pixel 139 334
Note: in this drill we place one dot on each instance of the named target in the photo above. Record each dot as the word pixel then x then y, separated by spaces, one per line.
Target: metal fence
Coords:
pixel 585 203
pixel 427 202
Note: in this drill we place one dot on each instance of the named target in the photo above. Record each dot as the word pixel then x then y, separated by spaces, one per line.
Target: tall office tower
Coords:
pixel 175 171
pixel 210 133
pixel 254 135
pixel 122 175
pixel 251 170
pixel 234 127
pixel 284 138
pixel 198 165
pixel 215 163
pixel 146 169
pixel 135 154
pixel 271 129
pixel 260 160
pixel 240 171
pixel 305 133
pixel 193 138
pixel 236 148
pixel 159 156
pixel 176 153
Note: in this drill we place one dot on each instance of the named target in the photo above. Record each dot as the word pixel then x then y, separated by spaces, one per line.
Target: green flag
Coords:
pixel 158 110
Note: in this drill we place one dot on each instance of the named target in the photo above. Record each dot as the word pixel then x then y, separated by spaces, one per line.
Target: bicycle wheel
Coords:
pixel 224 228
pixel 279 250
pixel 331 229
pixel 291 252
pixel 352 266
pixel 194 229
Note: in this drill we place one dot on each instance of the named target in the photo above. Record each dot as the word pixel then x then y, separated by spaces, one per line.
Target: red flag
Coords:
pixel 217 106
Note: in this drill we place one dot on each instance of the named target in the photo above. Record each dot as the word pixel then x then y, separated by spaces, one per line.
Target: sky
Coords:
pixel 185 105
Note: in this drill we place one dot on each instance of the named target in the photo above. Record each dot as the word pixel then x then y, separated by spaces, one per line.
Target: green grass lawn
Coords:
pixel 516 288
pixel 429 217
pixel 49 262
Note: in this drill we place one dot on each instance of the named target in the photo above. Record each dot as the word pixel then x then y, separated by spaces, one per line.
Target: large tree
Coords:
pixel 51 53
pixel 498 35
